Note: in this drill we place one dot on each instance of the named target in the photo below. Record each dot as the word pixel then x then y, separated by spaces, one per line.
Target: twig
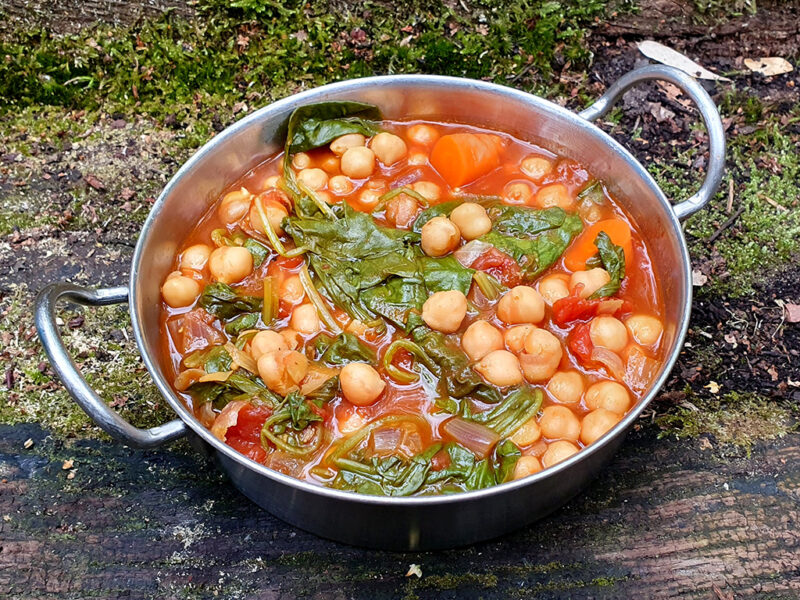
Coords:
pixel 772 202
pixel 729 208
pixel 725 225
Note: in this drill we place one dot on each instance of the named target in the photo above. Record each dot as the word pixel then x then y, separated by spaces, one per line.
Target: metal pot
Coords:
pixel 397 523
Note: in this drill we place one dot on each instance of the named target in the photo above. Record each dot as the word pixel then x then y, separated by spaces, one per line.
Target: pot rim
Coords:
pixel 535 102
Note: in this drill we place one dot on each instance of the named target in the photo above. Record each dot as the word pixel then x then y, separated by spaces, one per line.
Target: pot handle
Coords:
pixel 708 111
pixel 67 370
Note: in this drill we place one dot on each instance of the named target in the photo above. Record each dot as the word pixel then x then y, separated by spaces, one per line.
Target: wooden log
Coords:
pixel 666 520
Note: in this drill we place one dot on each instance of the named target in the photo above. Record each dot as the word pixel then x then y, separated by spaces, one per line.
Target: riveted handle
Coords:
pixel 74 382
pixel 708 112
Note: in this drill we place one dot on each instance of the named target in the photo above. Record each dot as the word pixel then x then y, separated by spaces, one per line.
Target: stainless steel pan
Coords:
pixel 397 523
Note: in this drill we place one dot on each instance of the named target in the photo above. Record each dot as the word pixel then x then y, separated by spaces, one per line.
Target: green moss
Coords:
pixel 252 50
pixel 735 418
pixel 764 166
pixel 112 366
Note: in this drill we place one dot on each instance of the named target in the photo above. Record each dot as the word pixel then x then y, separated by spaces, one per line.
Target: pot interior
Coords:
pixel 247 143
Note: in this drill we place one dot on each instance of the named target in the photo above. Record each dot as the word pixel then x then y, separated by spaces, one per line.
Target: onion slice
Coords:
pixel 473 436
pixel 469 252
pixel 610 361
pixel 227 419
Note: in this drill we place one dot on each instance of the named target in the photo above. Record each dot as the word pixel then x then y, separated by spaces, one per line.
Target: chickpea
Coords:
pixel 557 452
pixel 644 329
pixel 358 162
pixel 230 264
pixel 275 211
pixel 369 198
pixel 427 189
pixel 422 134
pixel 180 291
pixel 234 206
pixel 340 185
pixel 282 370
pixel 330 164
pixel 555 194
pixel 608 332
pixel 542 355
pixel 440 236
pixel 195 257
pixel 267 341
pixel 528 433
pixel 376 183
pixel 301 160
pixel 361 384
pixel 481 338
pixel 401 211
pixel 291 289
pixel 526 466
pixel 591 212
pixel 417 159
pixel 609 395
pixel 351 140
pixel 597 423
pixel 305 319
pixel 554 287
pixel 444 311
pixel 313 179
pixel 271 182
pixel 521 304
pixel 592 280
pixel 471 219
pixel 566 387
pixel 518 193
pixel 388 147
pixel 559 422
pixel 500 368
pixel 515 337
pixel 536 167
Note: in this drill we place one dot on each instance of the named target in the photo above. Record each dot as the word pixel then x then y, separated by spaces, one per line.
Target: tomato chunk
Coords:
pixel 500 266
pixel 245 436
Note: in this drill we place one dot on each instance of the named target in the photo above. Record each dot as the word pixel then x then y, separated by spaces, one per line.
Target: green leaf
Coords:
pixel 439 210
pixel 516 409
pixel 217 360
pixel 318 124
pixel 536 253
pixel 523 221
pixel 326 392
pixel 221 300
pixel 241 323
pixel 612 258
pixel 396 300
pixel 258 250
pixel 346 348
pixel 444 274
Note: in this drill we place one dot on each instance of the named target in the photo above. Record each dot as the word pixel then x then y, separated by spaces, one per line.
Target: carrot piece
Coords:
pixel 583 248
pixel 463 157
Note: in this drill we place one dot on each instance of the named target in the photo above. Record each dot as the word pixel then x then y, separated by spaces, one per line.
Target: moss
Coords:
pixel 764 167
pixel 736 418
pixel 106 355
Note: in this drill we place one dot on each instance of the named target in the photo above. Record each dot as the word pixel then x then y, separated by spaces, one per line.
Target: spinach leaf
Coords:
pixel 326 392
pixel 236 387
pixel 222 300
pixel 299 412
pixel 352 237
pixel 398 300
pixel 438 210
pixel 456 377
pixel 537 253
pixel 318 124
pixel 258 250
pixel 517 407
pixel 520 220
pixel 612 258
pixel 443 274
pixel 241 323
pixel 346 348
pixel 217 360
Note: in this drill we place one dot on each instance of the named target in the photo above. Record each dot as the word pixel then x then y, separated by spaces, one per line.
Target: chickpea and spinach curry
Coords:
pixel 411 308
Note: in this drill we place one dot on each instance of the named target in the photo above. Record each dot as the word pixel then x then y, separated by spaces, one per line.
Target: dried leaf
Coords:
pixel 673 58
pixel 414 569
pixel 698 278
pixel 661 113
pixel 67 464
pixel 28 443
pixel 95 182
pixel 713 387
pixel 792 313
pixel 769 65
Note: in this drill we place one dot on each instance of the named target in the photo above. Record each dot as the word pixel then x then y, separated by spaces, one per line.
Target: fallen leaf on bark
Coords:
pixel 672 58
pixel 698 278
pixel 769 65
pixel 95 182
